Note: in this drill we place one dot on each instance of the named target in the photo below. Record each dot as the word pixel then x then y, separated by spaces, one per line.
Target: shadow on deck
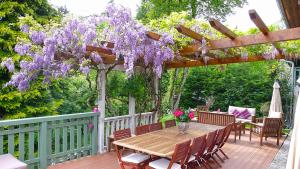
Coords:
pixel 243 155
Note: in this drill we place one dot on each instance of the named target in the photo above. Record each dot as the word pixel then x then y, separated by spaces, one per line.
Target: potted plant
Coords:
pixel 183 118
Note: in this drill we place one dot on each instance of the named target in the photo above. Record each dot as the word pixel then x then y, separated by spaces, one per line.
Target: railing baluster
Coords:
pixel 72 135
pixel 43 145
pixel 31 142
pixel 79 136
pixel 122 123
pixel 94 136
pixel 118 124
pixel 1 141
pixel 57 138
pixel 11 141
pixel 112 127
pixel 65 138
pixel 85 135
pixel 50 137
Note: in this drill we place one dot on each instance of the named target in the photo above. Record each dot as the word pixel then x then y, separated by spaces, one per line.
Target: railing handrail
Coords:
pixel 125 116
pixel 46 118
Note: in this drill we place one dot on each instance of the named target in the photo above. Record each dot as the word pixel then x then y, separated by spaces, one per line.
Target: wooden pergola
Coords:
pixel 189 58
pixel 231 41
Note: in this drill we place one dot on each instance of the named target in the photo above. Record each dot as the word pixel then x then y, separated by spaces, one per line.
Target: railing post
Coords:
pixel 131 110
pixel 43 152
pixel 95 135
pixel 101 87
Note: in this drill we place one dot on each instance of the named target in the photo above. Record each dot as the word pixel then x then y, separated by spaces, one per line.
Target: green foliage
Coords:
pixel 151 9
pixel 38 100
pixel 245 85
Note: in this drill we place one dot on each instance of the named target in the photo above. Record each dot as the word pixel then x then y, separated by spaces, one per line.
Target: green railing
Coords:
pixel 44 141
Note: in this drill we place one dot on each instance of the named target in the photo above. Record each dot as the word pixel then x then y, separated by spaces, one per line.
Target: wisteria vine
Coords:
pixel 46 48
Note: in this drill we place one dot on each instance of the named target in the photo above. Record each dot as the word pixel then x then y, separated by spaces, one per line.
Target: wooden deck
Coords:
pixel 243 155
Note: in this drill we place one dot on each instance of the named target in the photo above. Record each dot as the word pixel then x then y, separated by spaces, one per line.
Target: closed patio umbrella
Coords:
pixel 276 105
pixel 293 161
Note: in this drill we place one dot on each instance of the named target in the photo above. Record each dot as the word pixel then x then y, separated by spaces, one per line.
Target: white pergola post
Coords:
pixel 101 82
pixel 131 109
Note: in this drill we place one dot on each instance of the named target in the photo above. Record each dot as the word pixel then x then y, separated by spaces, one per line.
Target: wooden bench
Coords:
pixel 220 120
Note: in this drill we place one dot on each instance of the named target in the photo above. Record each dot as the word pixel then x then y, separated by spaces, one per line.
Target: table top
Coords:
pixel 162 142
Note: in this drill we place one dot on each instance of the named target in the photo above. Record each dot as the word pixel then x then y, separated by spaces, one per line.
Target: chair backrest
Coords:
pixel 252 111
pixel 197 148
pixel 220 136
pixel 215 118
pixel 226 134
pixel 170 123
pixel 142 129
pixel 118 135
pixel 180 153
pixel 155 127
pixel 272 126
pixel 211 141
pixel 121 134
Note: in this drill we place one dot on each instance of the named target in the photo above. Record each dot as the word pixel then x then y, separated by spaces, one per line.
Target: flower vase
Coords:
pixel 183 127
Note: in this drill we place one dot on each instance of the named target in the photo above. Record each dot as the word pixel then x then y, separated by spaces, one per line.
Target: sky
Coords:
pixel 267 9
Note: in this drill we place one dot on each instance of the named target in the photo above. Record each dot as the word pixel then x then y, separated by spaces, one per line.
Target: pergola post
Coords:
pixel 156 86
pixel 131 109
pixel 101 83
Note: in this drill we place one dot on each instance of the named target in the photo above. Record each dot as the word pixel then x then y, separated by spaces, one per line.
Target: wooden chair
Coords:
pixel 142 129
pixel 219 141
pixel 134 160
pixel 179 155
pixel 155 127
pixel 210 144
pixel 226 136
pixel 196 153
pixel 271 127
pixel 170 123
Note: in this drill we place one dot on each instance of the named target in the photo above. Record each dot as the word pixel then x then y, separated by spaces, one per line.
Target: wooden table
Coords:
pixel 162 142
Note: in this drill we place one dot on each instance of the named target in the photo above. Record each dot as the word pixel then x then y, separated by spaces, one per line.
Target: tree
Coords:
pixel 151 9
pixel 36 101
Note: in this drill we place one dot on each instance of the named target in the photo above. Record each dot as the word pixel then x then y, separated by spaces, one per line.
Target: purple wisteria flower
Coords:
pixel 25 28
pixel 37 37
pixel 22 49
pixel 9 64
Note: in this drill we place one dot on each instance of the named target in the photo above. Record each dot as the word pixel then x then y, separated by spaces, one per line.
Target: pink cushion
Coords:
pixel 8 161
pixel 236 113
pixel 244 114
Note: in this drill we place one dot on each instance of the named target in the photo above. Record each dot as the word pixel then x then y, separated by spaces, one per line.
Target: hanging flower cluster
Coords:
pixel 47 48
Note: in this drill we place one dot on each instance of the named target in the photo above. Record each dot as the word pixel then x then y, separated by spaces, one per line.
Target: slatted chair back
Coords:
pixel 155 127
pixel 180 153
pixel 220 136
pixel 121 134
pixel 197 148
pixel 142 129
pixel 211 141
pixel 226 134
pixel 272 126
pixel 215 118
pixel 170 123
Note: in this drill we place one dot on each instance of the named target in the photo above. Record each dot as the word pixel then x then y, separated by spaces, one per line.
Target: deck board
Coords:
pixel 243 155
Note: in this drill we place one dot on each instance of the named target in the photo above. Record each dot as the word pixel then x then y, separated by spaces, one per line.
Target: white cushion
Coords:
pixel 243 120
pixel 163 164
pixel 135 158
pixel 273 114
pixel 192 158
pixel 7 161
pixel 231 109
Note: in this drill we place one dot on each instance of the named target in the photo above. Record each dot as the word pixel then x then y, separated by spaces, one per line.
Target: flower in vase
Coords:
pixel 191 115
pixel 178 113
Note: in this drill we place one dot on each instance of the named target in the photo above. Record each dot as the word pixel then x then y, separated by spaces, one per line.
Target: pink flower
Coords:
pixel 191 115
pixel 95 110
pixel 178 113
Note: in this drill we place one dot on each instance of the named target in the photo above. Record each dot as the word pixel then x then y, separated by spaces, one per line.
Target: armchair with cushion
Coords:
pixel 270 127
pixel 252 111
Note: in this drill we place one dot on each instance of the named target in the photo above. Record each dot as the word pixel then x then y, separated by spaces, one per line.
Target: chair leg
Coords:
pixel 250 135
pixel 278 140
pixel 235 135
pixel 240 133
pixel 219 157
pixel 261 140
pixel 216 161
pixel 224 153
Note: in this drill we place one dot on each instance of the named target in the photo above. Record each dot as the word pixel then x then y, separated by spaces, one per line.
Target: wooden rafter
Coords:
pixel 215 61
pixel 108 44
pixel 153 35
pixel 276 36
pixel 256 19
pixel 221 28
pixel 190 33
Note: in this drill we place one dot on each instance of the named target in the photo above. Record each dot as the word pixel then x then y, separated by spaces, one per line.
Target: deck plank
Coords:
pixel 243 155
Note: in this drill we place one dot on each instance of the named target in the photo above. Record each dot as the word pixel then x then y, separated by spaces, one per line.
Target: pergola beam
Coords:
pixel 153 35
pixel 190 33
pixel 248 40
pixel 221 28
pixel 217 61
